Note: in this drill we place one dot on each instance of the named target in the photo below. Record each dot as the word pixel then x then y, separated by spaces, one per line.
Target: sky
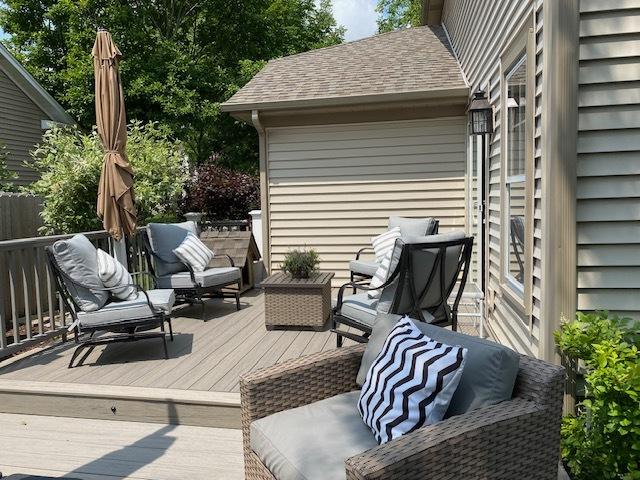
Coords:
pixel 358 16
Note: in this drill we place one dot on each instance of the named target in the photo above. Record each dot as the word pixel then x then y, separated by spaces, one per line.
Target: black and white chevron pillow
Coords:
pixel 410 383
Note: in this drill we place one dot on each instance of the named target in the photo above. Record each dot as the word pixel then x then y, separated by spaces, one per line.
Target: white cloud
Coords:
pixel 358 16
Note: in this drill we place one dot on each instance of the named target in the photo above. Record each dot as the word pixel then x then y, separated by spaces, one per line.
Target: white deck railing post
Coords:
pixel 256 228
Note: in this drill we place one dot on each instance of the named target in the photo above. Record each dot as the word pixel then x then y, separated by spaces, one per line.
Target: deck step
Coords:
pixel 133 404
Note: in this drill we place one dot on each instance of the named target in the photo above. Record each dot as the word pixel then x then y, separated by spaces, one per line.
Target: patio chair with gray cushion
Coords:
pixel 170 272
pixel 423 273
pixel 363 270
pixel 503 421
pixel 74 267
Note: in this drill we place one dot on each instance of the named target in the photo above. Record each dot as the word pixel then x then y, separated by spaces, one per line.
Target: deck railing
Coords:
pixel 31 311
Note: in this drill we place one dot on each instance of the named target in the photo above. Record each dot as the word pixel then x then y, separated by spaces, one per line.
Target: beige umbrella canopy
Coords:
pixel 116 205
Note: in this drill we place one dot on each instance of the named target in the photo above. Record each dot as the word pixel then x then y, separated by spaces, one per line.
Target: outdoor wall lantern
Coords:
pixel 480 114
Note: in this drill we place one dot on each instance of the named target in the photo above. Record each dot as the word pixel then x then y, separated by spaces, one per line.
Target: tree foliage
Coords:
pixel 181 58
pixel 396 14
pixel 69 164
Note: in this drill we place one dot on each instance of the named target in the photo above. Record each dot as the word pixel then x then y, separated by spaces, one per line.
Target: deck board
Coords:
pixel 103 450
pixel 206 355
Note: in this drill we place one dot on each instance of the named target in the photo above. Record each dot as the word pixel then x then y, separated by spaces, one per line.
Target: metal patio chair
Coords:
pixel 424 272
pixel 169 272
pixel 129 320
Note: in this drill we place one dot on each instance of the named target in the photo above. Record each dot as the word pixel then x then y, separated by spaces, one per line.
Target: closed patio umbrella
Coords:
pixel 116 205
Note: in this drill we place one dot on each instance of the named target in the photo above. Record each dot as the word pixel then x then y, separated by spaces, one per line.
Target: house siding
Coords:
pixel 20 128
pixel 333 187
pixel 479 32
pixel 608 184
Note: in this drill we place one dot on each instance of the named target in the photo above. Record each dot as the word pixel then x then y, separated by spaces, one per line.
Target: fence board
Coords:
pixel 19 215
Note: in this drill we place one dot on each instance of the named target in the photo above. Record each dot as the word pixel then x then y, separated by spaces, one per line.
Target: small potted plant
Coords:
pixel 300 263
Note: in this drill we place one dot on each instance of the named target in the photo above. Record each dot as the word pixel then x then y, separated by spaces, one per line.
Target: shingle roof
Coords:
pixel 239 245
pixel 411 60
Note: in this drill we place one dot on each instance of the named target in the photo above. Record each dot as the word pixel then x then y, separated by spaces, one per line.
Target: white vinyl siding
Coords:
pixel 479 33
pixel 333 187
pixel 608 191
pixel 20 128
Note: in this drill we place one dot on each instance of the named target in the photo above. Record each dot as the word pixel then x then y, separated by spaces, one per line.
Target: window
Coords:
pixel 515 175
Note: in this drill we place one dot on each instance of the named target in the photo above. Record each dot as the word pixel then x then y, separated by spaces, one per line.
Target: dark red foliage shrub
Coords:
pixel 221 194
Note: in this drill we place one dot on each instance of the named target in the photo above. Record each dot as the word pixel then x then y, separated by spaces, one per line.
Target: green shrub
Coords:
pixel 6 175
pixel 300 263
pixel 69 163
pixel 603 440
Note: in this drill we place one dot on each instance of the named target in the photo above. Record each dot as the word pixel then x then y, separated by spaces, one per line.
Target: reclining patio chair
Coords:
pixel 170 272
pixel 363 270
pixel 74 267
pixel 300 420
pixel 422 274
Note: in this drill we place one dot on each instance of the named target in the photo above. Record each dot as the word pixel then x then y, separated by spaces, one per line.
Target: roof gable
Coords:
pixel 32 89
pixel 410 61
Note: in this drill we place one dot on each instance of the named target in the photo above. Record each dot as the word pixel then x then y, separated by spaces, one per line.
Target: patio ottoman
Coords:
pixel 297 303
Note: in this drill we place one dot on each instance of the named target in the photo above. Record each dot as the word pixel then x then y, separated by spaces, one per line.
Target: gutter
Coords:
pixel 441 93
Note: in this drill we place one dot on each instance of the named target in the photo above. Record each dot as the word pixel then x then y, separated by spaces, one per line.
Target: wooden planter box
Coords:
pixel 303 303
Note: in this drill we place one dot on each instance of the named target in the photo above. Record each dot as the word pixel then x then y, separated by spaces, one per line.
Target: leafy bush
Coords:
pixel 70 161
pixel 221 193
pixel 603 440
pixel 300 263
pixel 6 175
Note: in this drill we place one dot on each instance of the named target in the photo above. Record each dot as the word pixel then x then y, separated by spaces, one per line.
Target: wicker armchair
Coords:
pixel 515 439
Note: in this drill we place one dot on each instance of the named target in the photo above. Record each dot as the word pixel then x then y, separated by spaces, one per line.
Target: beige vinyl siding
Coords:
pixel 20 128
pixel 608 189
pixel 333 187
pixel 479 33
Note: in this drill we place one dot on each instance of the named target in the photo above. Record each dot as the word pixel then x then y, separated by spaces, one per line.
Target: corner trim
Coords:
pixel 559 162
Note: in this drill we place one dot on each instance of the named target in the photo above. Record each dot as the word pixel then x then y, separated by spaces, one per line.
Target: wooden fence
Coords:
pixel 19 215
pixel 30 308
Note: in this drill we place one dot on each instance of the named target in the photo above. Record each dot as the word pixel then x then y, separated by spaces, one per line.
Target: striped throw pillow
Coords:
pixel 194 253
pixel 113 274
pixel 410 383
pixel 381 275
pixel 383 243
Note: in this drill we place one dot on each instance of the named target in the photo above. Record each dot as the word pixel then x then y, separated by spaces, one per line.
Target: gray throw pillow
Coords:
pixel 488 377
pixel 164 239
pixel 78 258
pixel 413 226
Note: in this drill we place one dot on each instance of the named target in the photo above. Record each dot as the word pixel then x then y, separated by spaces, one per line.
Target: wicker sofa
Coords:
pixel 515 439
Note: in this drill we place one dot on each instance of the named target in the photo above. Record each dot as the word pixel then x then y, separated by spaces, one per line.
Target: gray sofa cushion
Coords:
pixel 127 310
pixel 209 278
pixel 164 238
pixel 413 226
pixel 332 432
pixel 78 258
pixel 363 309
pixel 489 374
pixel 363 267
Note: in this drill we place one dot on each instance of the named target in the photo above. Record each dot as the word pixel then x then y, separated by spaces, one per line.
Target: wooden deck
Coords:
pixel 85 449
pixel 197 385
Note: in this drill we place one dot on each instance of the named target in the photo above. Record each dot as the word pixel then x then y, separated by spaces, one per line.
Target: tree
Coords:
pixel 395 14
pixel 6 176
pixel 181 58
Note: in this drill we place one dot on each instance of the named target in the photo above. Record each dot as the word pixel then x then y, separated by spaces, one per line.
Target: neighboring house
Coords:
pixel 352 133
pixel 26 111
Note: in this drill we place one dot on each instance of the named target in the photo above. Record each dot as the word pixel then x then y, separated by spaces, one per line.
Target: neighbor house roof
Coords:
pixel 409 63
pixel 32 89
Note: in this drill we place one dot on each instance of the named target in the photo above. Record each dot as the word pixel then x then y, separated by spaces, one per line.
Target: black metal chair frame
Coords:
pixel 197 293
pixel 126 331
pixel 364 279
pixel 403 271
pixel 517 242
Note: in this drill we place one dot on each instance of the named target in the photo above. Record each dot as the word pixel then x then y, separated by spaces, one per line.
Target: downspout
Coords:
pixel 264 189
